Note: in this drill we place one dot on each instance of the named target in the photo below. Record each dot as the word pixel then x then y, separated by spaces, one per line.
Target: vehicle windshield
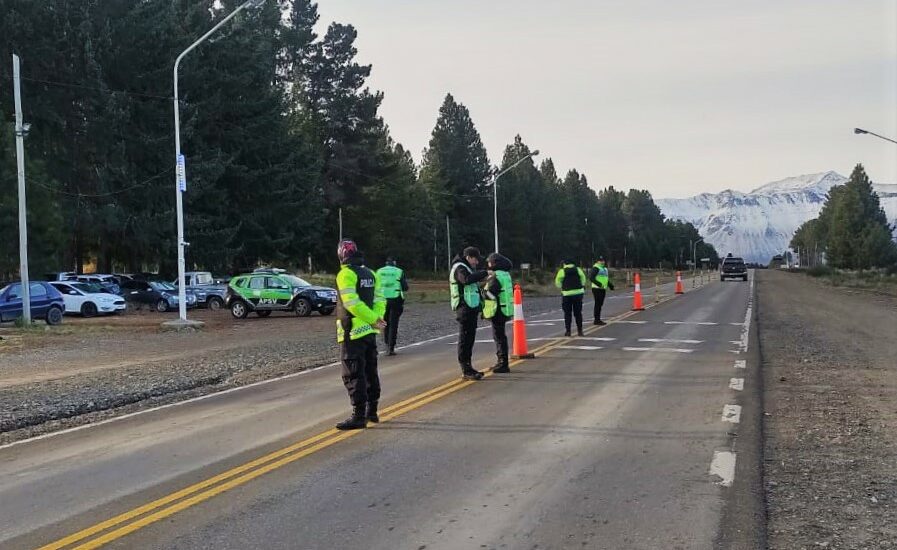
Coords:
pixel 89 288
pixel 296 281
pixel 162 287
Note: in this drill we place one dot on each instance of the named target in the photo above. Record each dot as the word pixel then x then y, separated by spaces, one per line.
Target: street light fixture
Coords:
pixel 180 178
pixel 861 131
pixel 495 189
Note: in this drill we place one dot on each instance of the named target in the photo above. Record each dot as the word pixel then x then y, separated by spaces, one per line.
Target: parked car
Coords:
pixel 46 302
pixel 159 295
pixel 733 268
pixel 208 293
pixel 60 275
pixel 107 282
pixel 264 291
pixel 88 299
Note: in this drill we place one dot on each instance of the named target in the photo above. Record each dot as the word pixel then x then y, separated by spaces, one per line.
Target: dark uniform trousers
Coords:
pixel 500 337
pixel 394 309
pixel 599 294
pixel 467 333
pixel 572 306
pixel 360 374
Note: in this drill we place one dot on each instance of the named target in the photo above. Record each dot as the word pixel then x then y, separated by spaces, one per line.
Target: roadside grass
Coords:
pixel 872 280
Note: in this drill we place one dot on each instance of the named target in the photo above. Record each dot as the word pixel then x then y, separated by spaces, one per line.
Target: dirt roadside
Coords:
pixel 829 359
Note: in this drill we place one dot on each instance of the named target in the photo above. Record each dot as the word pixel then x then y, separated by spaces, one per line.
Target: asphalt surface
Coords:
pixel 619 447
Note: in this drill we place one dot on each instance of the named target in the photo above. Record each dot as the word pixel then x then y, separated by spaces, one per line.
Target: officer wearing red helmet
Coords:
pixel 360 311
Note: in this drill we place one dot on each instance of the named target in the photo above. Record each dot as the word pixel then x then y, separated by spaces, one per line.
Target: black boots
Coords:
pixel 501 367
pixel 391 351
pixel 469 373
pixel 372 412
pixel 355 422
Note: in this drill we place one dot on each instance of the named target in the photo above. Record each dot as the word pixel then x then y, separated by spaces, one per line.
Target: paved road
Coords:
pixel 625 438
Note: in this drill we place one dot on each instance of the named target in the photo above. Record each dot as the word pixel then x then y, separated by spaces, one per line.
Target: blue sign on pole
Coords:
pixel 182 173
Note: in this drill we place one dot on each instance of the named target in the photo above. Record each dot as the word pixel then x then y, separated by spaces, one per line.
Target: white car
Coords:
pixel 88 299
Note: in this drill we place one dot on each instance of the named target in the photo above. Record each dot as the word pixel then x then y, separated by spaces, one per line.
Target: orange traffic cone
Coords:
pixel 520 350
pixel 637 295
pixel 679 289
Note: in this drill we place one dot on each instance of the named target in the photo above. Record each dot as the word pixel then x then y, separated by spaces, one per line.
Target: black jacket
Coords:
pixel 464 277
pixel 501 264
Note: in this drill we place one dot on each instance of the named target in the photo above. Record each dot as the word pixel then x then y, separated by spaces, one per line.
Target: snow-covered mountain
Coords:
pixel 760 224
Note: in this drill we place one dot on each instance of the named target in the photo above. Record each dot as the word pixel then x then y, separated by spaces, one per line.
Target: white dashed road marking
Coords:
pixel 741 364
pixel 670 341
pixel 732 413
pixel 736 384
pixel 596 338
pixel 632 322
pixel 723 467
pixel 701 323
pixel 581 348
pixel 666 350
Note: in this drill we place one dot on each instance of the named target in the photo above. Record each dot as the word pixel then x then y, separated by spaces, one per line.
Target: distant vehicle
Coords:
pixel 46 302
pixel 733 268
pixel 208 293
pixel 60 275
pixel 107 282
pixel 159 295
pixel 267 290
pixel 88 299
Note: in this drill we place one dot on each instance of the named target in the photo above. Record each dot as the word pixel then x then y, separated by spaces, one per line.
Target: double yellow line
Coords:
pixel 147 514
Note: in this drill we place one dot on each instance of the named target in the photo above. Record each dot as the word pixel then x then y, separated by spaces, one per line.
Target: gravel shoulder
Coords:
pixel 105 367
pixel 829 359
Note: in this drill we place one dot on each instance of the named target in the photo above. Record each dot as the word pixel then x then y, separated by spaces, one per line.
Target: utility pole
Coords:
pixel 340 224
pixel 435 251
pixel 448 242
pixel 21 129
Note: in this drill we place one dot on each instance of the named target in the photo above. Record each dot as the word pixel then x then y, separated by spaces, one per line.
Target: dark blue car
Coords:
pixel 46 302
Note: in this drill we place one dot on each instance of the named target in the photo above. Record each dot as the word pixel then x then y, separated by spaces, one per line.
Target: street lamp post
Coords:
pixel 861 131
pixel 694 260
pixel 495 190
pixel 180 177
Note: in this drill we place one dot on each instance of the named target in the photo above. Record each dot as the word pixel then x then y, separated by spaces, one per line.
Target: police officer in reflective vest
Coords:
pixel 498 305
pixel 572 282
pixel 395 285
pixel 360 312
pixel 601 283
pixel 466 304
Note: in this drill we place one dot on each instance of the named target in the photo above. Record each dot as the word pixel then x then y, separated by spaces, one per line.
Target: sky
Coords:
pixel 677 97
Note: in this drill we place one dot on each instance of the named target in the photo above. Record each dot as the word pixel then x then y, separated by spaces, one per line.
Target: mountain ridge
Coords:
pixel 759 224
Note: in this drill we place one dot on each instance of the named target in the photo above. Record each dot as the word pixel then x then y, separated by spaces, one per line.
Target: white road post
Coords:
pixel 20 172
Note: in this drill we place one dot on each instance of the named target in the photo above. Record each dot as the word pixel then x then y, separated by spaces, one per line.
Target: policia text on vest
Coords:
pixel 395 285
pixel 572 282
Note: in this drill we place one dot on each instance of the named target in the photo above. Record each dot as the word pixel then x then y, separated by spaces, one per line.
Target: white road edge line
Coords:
pixel 732 414
pixel 701 323
pixel 736 384
pixel 581 348
pixel 723 467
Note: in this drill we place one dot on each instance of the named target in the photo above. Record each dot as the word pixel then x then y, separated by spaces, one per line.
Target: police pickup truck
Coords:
pixel 733 268
pixel 208 293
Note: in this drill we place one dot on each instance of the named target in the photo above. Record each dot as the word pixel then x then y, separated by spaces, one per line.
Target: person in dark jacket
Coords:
pixel 599 276
pixel 572 282
pixel 498 308
pixel 466 303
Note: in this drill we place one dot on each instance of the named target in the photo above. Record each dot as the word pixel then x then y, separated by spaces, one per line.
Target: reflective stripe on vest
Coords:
pixel 391 281
pixel 505 302
pixel 603 277
pixel 471 292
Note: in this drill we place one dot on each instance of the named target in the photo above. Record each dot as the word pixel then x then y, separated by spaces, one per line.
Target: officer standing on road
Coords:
pixel 572 282
pixel 395 285
pixel 465 296
pixel 498 305
pixel 360 312
pixel 601 283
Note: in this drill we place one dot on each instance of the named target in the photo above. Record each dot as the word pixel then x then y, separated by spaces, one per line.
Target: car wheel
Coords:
pixel 302 307
pixel 54 316
pixel 162 305
pixel 214 303
pixel 88 309
pixel 326 312
pixel 263 313
pixel 239 309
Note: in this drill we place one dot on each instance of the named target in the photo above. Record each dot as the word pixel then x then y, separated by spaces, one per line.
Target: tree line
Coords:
pixel 852 230
pixel 284 143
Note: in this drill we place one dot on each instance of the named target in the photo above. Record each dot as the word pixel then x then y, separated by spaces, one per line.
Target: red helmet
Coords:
pixel 346 249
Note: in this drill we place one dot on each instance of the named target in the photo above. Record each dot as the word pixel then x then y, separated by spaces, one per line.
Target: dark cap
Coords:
pixel 472 251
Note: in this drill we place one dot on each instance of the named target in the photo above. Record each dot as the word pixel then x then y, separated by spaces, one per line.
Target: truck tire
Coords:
pixel 214 303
